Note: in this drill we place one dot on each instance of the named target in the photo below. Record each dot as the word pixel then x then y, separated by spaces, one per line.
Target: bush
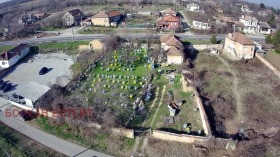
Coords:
pixel 277 49
pixel 213 39
pixel 268 39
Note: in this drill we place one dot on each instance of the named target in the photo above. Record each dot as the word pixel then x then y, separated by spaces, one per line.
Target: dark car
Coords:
pixel 7 87
pixel 43 71
pixel 17 96
pixel 24 115
pixel 27 114
pixel 2 86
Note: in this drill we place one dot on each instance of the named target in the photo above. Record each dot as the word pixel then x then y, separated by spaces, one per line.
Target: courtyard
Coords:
pixel 27 71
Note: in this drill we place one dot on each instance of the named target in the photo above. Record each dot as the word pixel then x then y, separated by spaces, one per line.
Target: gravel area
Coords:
pixel 28 71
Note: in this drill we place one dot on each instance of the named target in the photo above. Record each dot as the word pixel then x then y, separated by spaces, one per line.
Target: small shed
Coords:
pixel 32 92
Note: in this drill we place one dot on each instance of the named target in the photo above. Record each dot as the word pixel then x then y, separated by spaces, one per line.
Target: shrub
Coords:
pixel 213 39
pixel 268 39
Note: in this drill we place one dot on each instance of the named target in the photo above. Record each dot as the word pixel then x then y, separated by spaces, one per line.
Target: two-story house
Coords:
pixel 174 48
pixel 11 57
pixel 200 21
pixel 168 23
pixel 106 18
pixel 73 17
pixel 251 24
pixel 239 46
pixel 192 7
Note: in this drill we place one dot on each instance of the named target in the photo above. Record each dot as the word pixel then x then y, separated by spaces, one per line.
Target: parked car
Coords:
pixel 43 71
pixel 27 114
pixel 17 96
pixel 24 115
pixel 7 87
pixel 3 85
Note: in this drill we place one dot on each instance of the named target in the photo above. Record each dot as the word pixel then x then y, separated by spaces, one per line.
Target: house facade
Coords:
pixel 73 17
pixel 174 56
pixel 192 7
pixel 11 57
pixel 106 18
pixel 251 24
pixel 168 23
pixel 239 45
pixel 201 25
pixel 264 28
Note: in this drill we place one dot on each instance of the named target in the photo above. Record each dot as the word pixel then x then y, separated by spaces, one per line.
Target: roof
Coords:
pixel 33 91
pixel 201 17
pixel 226 18
pixel 75 12
pixel 166 37
pixel 173 41
pixel 106 14
pixel 248 18
pixel 240 38
pixel 169 11
pixel 171 18
pixel 239 24
pixel 264 25
pixel 13 52
pixel 174 51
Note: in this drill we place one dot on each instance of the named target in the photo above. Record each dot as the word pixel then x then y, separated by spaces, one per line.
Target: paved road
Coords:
pixel 68 37
pixel 60 145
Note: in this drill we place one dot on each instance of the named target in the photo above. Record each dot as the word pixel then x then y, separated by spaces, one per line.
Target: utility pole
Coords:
pixel 73 35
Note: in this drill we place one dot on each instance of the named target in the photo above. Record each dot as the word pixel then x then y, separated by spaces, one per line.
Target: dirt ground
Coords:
pixel 274 58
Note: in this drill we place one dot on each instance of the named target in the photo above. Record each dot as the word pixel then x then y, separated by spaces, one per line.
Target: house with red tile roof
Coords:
pixel 239 46
pixel 11 57
pixel 169 22
pixel 106 18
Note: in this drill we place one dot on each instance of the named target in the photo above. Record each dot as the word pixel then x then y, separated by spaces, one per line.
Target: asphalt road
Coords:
pixel 64 38
pixel 60 145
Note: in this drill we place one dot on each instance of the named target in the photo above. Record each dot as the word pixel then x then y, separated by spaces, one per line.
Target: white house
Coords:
pixel 175 56
pixel 192 7
pixel 11 57
pixel 264 28
pixel 246 9
pixel 251 24
pixel 262 13
pixel 201 25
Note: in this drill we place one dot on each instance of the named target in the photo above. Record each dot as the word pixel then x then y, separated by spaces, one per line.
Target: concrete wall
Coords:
pixel 268 64
pixel 176 137
pixel 202 47
pixel 184 137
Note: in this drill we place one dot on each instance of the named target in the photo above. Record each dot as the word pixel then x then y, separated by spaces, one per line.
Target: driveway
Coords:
pixel 60 145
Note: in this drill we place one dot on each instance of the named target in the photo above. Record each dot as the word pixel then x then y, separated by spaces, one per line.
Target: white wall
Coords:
pixel 15 59
pixel 200 25
pixel 174 59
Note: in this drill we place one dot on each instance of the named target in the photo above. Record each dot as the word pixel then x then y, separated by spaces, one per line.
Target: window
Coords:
pixel 3 63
